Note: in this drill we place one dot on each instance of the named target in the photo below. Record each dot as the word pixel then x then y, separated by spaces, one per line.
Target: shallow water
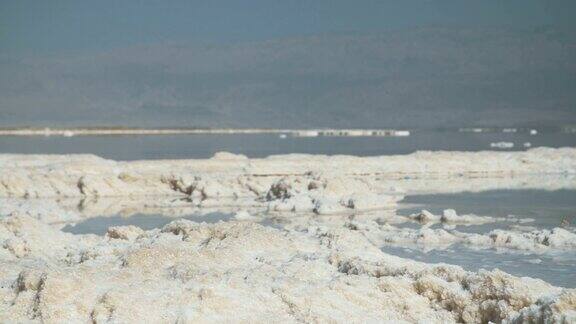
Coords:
pixel 558 269
pixel 547 209
pixel 261 145
pixel 99 225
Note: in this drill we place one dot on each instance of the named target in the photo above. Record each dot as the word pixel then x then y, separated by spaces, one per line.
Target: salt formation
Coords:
pixel 197 131
pixel 449 216
pixel 534 241
pixel 323 184
pixel 229 175
pixel 323 196
pixel 324 264
pixel 190 272
pixel 244 215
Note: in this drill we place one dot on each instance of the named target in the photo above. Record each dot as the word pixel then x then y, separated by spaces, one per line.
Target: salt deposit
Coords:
pixel 534 241
pixel 449 216
pixel 190 272
pixel 229 175
pixel 324 264
pixel 197 131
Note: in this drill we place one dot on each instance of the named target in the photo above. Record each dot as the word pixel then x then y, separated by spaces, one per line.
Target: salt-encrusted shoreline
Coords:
pixel 103 131
pixel 229 175
pixel 314 269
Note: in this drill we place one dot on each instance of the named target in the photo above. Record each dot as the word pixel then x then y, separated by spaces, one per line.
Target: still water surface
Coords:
pixel 261 145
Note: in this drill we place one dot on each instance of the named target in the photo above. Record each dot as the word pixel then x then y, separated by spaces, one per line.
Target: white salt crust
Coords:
pixel 244 272
pixel 325 264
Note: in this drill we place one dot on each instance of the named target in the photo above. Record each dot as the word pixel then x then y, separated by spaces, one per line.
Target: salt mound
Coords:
pixel 326 195
pixel 244 215
pixel 450 216
pixel 191 272
pixel 536 241
pixel 230 175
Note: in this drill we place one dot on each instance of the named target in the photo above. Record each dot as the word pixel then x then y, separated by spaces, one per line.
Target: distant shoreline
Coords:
pixel 69 132
pixel 294 132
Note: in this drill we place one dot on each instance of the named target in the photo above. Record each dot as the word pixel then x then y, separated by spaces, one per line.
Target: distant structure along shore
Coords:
pixel 69 132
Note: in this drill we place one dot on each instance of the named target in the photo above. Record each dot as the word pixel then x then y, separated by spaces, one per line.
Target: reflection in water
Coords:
pixel 548 209
pixel 99 225
pixel 261 145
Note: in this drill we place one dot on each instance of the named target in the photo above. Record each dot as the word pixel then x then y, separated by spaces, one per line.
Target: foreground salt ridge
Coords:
pixel 190 272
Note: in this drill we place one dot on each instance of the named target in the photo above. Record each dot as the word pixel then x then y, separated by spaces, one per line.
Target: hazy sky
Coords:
pixel 288 63
pixel 32 26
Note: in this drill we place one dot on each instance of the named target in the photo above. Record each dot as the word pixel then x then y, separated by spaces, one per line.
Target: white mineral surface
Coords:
pixel 449 216
pixel 321 261
pixel 229 175
pixel 241 271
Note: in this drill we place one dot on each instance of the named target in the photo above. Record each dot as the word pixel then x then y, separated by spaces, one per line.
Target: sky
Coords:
pixel 273 63
pixel 29 26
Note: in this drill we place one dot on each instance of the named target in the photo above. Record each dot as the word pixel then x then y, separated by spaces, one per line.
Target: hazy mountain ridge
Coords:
pixel 411 78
